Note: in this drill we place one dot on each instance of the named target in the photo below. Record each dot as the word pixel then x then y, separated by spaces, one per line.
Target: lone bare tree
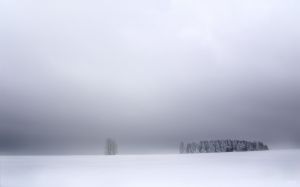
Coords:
pixel 111 147
pixel 181 148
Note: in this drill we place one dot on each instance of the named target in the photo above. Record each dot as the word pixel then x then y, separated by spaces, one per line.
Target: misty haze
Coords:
pixel 149 93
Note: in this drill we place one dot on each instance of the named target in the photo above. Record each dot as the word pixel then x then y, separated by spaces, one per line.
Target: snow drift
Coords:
pixel 234 169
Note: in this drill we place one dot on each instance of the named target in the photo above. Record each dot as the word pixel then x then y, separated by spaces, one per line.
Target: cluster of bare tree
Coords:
pixel 221 146
pixel 111 147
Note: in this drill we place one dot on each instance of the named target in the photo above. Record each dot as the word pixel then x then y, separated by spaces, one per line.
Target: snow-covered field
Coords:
pixel 261 168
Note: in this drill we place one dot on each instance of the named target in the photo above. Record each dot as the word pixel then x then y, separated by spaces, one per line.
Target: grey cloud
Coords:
pixel 148 73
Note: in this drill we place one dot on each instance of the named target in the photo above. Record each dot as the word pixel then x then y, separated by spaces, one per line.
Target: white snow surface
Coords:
pixel 280 168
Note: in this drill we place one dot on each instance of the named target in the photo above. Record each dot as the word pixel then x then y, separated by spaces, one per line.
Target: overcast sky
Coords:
pixel 148 73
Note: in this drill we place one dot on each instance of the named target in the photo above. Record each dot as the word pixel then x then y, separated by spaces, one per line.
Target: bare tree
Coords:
pixel 111 147
pixel 181 148
pixel 221 146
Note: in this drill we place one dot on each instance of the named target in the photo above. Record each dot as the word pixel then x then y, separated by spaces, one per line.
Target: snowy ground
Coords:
pixel 261 168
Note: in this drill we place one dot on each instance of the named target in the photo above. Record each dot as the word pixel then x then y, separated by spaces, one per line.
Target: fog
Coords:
pixel 147 73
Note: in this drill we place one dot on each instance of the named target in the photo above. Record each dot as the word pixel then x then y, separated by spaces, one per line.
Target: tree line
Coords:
pixel 221 146
pixel 228 145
